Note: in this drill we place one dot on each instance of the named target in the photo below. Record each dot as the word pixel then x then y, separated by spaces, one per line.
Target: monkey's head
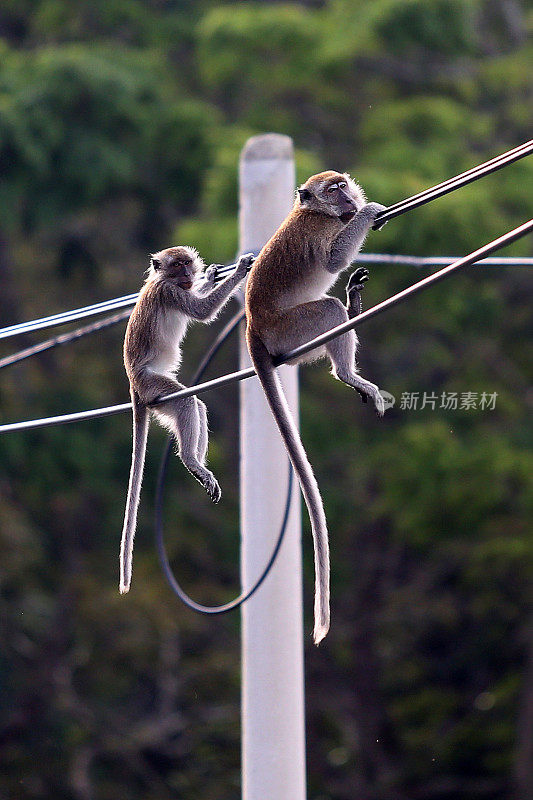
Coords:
pixel 332 193
pixel 180 264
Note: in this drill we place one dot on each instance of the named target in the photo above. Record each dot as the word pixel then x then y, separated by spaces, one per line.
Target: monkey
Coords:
pixel 286 305
pixel 172 296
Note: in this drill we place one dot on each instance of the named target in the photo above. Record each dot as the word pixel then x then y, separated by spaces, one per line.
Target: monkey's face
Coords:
pixel 332 193
pixel 179 264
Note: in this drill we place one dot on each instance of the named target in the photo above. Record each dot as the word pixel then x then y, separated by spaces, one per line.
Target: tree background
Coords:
pixel 121 122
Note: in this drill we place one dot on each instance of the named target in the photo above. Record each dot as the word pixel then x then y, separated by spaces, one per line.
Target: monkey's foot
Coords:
pixel 365 388
pixel 378 401
pixel 206 478
pixel 354 304
pixel 212 487
pixel 357 280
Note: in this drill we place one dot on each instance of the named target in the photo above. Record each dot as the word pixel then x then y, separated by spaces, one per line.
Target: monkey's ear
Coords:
pixel 305 194
pixel 155 263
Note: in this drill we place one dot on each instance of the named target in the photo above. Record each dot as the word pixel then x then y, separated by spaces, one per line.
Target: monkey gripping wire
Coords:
pixel 159 538
pixel 224 380
pixel 447 186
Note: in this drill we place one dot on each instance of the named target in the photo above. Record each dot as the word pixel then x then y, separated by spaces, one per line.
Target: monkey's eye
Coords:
pixel 342 185
pixel 333 187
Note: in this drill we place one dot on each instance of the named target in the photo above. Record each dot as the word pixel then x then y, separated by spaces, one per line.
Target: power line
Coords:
pixel 223 380
pixel 64 338
pixel 452 184
pixel 440 189
pixel 127 301
pixel 440 261
pixel 395 210
pixel 426 261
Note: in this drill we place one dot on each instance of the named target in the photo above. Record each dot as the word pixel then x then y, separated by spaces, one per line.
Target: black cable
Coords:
pixel 128 301
pixel 167 569
pixel 452 184
pixel 491 162
pixel 159 538
pixel 395 210
pixel 223 380
pixel 64 338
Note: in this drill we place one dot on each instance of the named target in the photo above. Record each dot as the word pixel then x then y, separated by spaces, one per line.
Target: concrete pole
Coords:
pixel 273 724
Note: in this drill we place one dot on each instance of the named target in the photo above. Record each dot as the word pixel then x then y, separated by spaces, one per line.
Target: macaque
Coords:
pixel 172 296
pixel 287 305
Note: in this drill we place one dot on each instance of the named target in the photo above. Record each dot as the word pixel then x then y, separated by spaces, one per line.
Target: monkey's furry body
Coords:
pixel 168 301
pixel 287 305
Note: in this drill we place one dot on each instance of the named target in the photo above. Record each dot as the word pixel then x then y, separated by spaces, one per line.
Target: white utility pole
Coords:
pixel 273 723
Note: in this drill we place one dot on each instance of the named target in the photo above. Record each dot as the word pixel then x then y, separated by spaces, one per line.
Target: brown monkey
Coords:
pixel 287 305
pixel 172 296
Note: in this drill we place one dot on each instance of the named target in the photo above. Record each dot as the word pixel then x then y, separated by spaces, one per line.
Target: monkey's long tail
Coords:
pixel 140 436
pixel 277 401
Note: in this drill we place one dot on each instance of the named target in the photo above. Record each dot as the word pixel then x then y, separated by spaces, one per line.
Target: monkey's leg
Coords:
pixel 203 440
pixel 186 424
pixel 297 325
pixel 342 355
pixel 182 418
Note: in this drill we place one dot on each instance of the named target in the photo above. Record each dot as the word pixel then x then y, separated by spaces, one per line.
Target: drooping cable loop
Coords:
pixel 223 380
pixel 167 569
pixel 159 537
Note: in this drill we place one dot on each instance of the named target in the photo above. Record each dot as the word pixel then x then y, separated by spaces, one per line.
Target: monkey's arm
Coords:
pixel 204 307
pixel 351 238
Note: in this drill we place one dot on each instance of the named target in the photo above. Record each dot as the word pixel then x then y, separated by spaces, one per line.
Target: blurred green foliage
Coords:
pixel 121 124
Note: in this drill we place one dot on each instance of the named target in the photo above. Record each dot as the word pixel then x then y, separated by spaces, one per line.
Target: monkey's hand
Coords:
pixel 243 264
pixel 209 278
pixel 371 210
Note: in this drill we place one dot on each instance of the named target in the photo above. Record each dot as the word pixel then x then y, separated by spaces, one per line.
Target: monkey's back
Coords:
pixel 154 331
pixel 289 269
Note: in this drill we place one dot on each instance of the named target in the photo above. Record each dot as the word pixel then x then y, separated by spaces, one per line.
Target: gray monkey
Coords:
pixel 172 296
